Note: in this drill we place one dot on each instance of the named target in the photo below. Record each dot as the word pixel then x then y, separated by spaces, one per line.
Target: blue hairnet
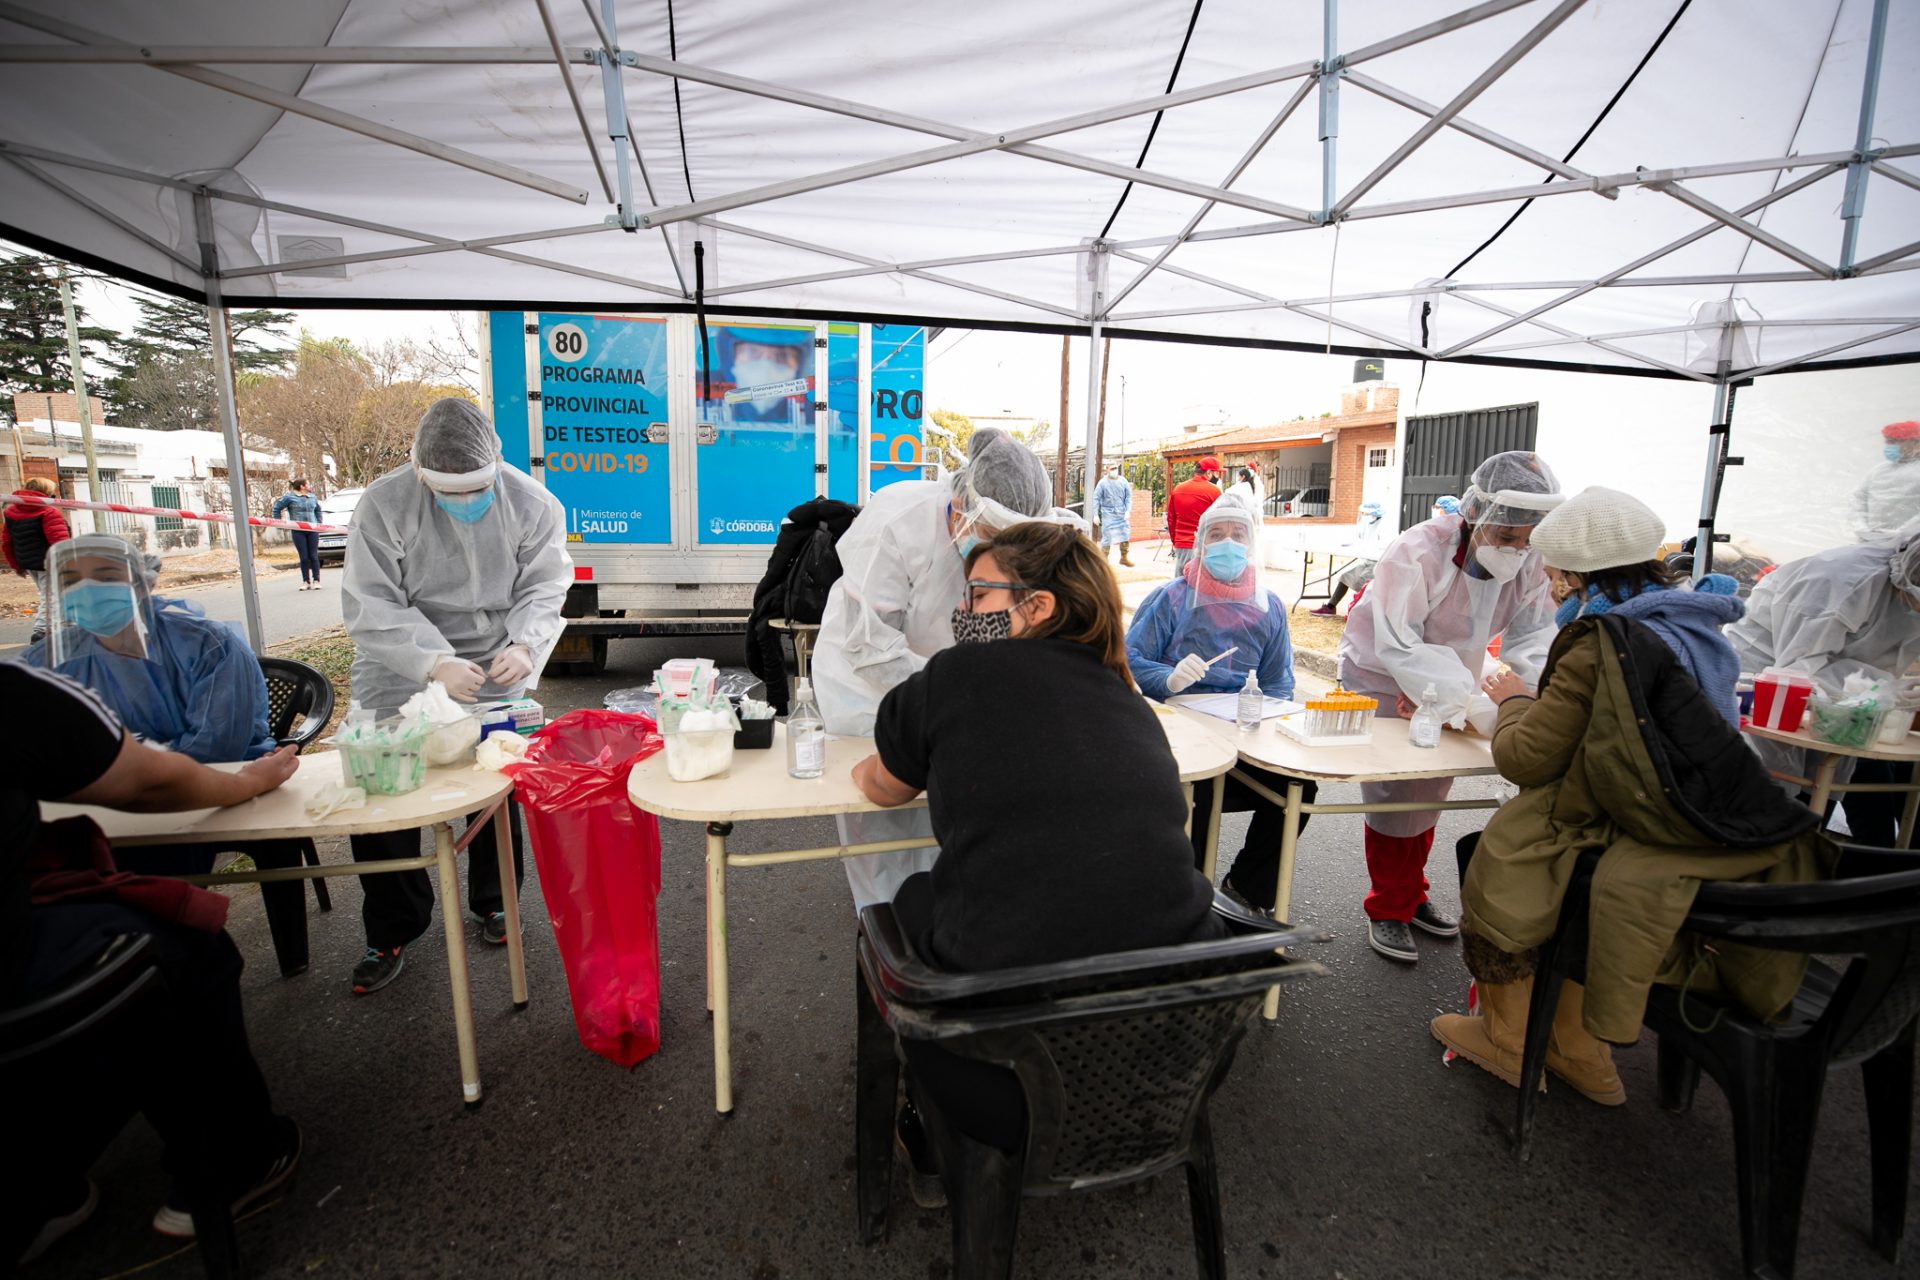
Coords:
pixel 1448 503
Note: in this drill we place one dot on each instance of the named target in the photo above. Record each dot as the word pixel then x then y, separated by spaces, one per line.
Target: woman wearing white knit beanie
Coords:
pixel 1622 737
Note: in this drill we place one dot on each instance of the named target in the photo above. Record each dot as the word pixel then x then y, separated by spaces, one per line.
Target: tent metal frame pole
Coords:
pixel 160 55
pixel 1438 121
pixel 1099 260
pixel 1890 256
pixel 1602 341
pixel 573 96
pixel 104 214
pixel 1719 435
pixel 1745 228
pixel 1900 176
pixel 1329 81
pixel 1827 351
pixel 1438 27
pixel 218 337
pixel 1854 205
pixel 1664 330
pixel 1400 97
pixel 1778 193
pixel 299 106
pixel 613 97
pixel 416 251
pixel 1233 175
pixel 886 268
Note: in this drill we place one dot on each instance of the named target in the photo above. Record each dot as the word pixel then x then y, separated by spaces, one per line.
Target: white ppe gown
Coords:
pixel 1887 499
pixel 1424 622
pixel 420 586
pixel 892 609
pixel 1828 616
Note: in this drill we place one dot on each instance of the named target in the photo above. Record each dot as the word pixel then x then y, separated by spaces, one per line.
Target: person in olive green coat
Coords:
pixel 1624 752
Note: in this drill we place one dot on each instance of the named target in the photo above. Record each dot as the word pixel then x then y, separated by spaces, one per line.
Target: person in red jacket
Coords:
pixel 1186 504
pixel 28 531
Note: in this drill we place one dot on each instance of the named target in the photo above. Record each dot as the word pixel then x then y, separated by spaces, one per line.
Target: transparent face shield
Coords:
pixel 97 600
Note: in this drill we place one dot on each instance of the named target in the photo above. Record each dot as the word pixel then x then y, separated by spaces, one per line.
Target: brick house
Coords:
pixel 1327 457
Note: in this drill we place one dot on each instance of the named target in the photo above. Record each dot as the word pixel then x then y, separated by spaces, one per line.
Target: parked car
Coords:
pixel 337 509
pixel 1311 501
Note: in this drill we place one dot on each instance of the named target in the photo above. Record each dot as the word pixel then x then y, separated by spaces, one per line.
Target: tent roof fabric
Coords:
pixel 1678 187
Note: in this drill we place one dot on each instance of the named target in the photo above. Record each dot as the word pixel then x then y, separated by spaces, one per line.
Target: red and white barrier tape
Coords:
pixel 260 522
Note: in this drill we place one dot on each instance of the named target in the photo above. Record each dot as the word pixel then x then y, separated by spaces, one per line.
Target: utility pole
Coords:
pixel 1097 460
pixel 79 397
pixel 1060 469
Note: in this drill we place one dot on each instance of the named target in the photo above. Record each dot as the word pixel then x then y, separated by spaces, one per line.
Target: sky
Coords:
pixel 1807 438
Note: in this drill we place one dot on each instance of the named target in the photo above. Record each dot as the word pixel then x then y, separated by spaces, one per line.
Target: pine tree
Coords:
pixel 163 371
pixel 33 331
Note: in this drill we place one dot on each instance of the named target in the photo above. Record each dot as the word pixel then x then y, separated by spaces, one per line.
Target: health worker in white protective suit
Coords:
pixel 901 579
pixel 1849 611
pixel 1441 592
pixel 456 572
pixel 1889 497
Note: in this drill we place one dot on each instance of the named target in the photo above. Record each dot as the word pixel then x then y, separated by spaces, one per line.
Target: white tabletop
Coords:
pixel 1389 757
pixel 1906 749
pixel 757 787
pixel 281 814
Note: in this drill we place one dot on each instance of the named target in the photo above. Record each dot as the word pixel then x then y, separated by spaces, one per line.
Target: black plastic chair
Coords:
pixel 1117 1056
pixel 106 1012
pixel 1774 1073
pixel 299 704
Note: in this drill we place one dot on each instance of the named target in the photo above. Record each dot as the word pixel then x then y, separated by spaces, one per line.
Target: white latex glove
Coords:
pixel 462 678
pixel 1189 670
pixel 511 666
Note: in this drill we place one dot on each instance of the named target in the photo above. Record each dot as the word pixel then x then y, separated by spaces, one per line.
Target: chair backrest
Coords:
pixel 120 979
pixel 1117 1055
pixel 1872 918
pixel 299 700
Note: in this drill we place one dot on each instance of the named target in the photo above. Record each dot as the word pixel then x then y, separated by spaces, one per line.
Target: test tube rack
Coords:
pixel 1339 718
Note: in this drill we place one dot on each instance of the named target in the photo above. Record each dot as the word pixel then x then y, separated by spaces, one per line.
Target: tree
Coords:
pixel 961 428
pixel 163 372
pixel 33 331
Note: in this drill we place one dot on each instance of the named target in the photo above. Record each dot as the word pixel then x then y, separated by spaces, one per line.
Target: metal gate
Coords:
pixel 1442 449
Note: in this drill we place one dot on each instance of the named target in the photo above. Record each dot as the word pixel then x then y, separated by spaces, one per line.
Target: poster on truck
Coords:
pixel 603 383
pixel 896 443
pixel 759 461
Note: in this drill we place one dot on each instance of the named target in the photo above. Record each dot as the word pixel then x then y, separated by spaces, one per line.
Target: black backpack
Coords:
pixel 802 570
pixel 816 567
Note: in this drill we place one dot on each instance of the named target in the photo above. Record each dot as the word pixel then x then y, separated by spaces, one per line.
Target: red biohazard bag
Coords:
pixel 599 864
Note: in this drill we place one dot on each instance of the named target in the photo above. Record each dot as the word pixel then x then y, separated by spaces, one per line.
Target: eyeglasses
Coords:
pixel 976 585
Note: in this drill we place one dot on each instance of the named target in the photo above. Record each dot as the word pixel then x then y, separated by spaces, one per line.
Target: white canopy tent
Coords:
pixel 1701 189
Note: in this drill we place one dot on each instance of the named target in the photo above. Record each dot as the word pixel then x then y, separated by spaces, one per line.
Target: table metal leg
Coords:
pixel 1283 883
pixel 1909 813
pixel 1823 785
pixel 457 960
pixel 1213 824
pixel 510 903
pixel 717 965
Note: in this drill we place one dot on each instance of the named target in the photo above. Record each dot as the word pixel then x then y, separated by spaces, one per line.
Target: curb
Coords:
pixel 1317 662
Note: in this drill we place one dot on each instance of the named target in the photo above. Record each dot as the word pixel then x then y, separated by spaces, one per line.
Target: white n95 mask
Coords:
pixel 1501 563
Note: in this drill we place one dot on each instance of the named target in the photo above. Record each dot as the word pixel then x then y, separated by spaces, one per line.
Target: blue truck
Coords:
pixel 677 447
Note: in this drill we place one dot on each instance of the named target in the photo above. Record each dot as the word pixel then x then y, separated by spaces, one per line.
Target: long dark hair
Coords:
pixel 1086 595
pixel 1621 582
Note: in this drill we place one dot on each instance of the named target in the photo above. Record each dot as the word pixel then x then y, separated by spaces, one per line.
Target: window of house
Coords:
pixel 166 495
pixel 1379 457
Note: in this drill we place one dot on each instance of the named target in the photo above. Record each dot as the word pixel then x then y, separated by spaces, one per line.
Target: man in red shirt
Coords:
pixel 28 530
pixel 1186 504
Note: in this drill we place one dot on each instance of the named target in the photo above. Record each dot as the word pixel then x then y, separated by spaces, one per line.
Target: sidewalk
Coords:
pixel 18 599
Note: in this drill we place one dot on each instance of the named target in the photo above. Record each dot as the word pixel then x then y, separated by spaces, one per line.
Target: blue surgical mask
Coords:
pixel 1225 561
pixel 104 608
pixel 966 545
pixel 1893 453
pixel 465 509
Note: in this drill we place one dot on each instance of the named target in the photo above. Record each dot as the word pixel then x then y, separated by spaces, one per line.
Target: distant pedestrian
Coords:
pixel 1113 508
pixel 1247 485
pixel 1186 504
pixel 298 503
pixel 30 529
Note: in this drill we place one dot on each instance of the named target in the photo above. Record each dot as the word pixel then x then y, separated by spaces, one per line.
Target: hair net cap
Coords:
pixel 454 448
pixel 1002 482
pixel 1599 528
pixel 1515 488
pixel 1904 565
pixel 1901 431
pixel 1448 503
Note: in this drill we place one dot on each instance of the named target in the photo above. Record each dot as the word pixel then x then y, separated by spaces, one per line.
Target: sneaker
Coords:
pixel 1392 939
pixel 85 1198
pixel 176 1220
pixel 376 969
pixel 1426 917
pixel 923 1180
pixel 493 928
pixel 1324 611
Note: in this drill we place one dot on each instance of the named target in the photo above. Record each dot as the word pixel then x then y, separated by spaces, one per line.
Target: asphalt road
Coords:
pixel 1346 1149
pixel 285 610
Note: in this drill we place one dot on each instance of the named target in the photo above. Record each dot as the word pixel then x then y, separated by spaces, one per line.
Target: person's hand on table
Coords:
pixel 269 771
pixel 1503 684
pixel 1404 707
pixel 511 666
pixel 879 786
pixel 1186 672
pixel 462 678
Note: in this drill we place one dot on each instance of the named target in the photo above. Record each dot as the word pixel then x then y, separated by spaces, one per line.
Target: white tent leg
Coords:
pixel 229 423
pixel 1855 202
pixel 1717 462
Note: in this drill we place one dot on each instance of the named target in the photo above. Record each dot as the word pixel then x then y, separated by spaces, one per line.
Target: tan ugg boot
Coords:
pixel 1496 1037
pixel 1579 1058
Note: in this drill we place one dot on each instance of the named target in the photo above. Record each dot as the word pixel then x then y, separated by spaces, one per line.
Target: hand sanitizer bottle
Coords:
pixel 1251 708
pixel 806 735
pixel 1424 729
